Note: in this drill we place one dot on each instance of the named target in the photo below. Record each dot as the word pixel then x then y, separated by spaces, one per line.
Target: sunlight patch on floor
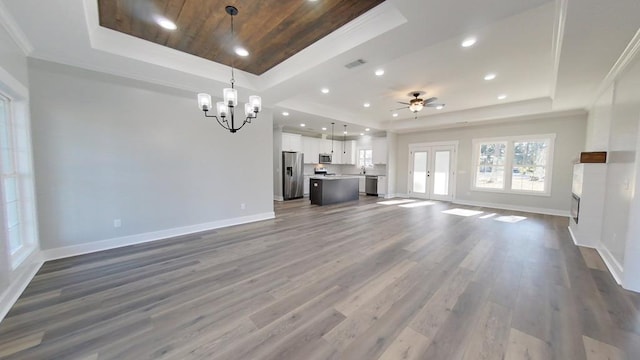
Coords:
pixel 462 212
pixel 510 219
pixel 418 204
pixel 395 202
pixel 488 216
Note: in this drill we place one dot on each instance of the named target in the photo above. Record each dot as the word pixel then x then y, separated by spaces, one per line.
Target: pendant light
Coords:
pixel 332 137
pixel 226 108
pixel 344 140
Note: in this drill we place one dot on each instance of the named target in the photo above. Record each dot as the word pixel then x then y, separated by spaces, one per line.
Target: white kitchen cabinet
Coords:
pixel 291 142
pixel 379 147
pixel 349 152
pixel 311 149
pixel 362 184
pixel 325 146
pixel 382 185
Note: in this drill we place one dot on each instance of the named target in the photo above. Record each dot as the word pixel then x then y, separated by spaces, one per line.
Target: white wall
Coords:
pixel 599 122
pixel 622 168
pixel 110 148
pixel 12 59
pixel 570 135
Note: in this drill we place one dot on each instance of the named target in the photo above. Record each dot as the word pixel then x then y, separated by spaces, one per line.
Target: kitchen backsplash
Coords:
pixel 346 169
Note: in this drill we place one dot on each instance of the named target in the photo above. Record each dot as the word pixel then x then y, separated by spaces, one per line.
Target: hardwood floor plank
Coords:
pixel 524 346
pixel 409 345
pixel 358 281
pixel 597 350
pixel 490 335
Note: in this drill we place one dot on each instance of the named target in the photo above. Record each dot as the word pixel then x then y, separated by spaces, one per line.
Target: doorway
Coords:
pixel 432 171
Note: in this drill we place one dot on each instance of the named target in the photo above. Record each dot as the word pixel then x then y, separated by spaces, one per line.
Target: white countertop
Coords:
pixel 333 177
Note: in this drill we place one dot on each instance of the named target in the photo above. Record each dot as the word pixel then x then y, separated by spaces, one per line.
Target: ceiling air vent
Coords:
pixel 353 64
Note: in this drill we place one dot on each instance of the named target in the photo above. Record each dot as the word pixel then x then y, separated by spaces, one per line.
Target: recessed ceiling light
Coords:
pixel 502 97
pixel 242 51
pixel 303 125
pixel 468 42
pixel 166 23
pixel 439 107
pixel 367 129
pixel 345 133
pixel 490 76
pixel 379 72
pixel 367 104
pixel 361 134
pixel 395 115
pixel 285 113
pixel 324 129
pixel 325 90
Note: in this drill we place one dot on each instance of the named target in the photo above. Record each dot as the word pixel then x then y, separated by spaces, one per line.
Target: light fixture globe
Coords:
pixel 225 109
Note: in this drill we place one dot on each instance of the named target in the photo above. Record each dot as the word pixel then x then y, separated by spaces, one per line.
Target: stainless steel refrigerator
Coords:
pixel 292 175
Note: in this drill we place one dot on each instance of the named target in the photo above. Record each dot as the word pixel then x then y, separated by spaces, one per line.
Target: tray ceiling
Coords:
pixel 271 30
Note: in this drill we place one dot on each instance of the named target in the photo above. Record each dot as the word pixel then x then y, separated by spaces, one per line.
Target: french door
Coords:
pixel 431 171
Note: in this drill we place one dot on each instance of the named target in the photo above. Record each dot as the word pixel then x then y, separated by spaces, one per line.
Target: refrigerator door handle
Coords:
pixel 289 171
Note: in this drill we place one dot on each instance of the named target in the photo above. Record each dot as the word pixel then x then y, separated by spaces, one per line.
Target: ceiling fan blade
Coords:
pixel 431 99
pixel 400 102
pixel 433 105
pixel 404 107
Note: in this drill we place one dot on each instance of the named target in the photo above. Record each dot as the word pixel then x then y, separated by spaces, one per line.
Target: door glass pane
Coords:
pixel 420 172
pixel 441 173
pixel 11 214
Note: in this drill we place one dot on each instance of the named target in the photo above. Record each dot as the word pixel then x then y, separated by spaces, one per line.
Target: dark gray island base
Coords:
pixel 325 190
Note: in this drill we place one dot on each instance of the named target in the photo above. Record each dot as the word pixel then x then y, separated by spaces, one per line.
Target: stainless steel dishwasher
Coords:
pixel 371 185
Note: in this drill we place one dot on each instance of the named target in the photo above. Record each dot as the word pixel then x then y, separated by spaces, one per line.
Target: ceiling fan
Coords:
pixel 416 104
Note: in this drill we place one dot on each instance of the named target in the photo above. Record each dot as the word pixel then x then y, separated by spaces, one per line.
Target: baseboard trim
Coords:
pixel 612 264
pixel 278 198
pixel 23 277
pixel 68 251
pixel 573 237
pixel 528 209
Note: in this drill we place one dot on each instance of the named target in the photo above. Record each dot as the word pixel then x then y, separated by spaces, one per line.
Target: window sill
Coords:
pixel 512 192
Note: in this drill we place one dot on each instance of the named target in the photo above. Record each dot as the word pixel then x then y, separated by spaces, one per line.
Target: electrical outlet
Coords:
pixel 117 223
pixel 243 206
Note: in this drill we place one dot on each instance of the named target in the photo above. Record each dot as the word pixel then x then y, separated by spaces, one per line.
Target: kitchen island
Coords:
pixel 325 190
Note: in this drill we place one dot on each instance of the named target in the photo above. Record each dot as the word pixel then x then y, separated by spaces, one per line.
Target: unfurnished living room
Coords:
pixel 319 179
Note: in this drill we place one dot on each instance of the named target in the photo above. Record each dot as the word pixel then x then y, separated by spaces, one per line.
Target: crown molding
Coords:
pixel 627 56
pixel 556 46
pixel 14 31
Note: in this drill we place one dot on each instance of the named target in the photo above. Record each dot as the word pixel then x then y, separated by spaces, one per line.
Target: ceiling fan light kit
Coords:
pixel 417 103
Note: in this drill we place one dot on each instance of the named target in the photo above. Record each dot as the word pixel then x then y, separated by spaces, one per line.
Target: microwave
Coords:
pixel 324 159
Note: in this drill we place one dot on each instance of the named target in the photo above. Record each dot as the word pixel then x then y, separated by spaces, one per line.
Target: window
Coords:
pixel 16 182
pixel 365 158
pixel 514 164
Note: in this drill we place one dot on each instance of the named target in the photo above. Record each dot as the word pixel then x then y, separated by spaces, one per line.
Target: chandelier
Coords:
pixel 226 109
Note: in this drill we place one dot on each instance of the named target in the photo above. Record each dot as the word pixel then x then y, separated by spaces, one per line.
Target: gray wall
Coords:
pixel 110 148
pixel 570 137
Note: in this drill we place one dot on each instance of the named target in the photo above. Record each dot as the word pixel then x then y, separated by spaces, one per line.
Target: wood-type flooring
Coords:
pixel 359 280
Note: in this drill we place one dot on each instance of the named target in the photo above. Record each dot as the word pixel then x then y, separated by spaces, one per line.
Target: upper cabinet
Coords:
pixel 291 142
pixel 348 152
pixel 379 147
pixel 311 149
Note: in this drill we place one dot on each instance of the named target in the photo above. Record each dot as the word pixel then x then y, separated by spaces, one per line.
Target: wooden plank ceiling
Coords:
pixel 271 30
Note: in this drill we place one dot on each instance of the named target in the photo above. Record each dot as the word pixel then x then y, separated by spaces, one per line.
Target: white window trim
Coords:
pixel 18 96
pixel 508 164
pixel 358 156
